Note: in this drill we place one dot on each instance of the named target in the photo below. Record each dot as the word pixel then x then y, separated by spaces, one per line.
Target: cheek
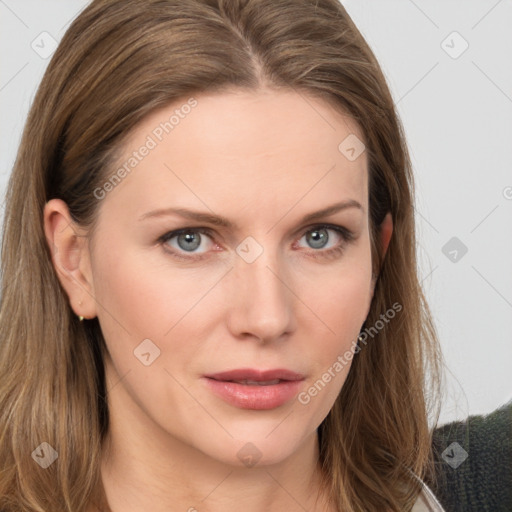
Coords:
pixel 341 295
pixel 344 311
pixel 142 312
pixel 144 297
pixel 343 308
pixel 340 301
pixel 347 300
pixel 136 291
pixel 127 295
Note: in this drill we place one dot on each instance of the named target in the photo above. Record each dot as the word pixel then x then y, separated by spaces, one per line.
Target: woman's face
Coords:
pixel 264 290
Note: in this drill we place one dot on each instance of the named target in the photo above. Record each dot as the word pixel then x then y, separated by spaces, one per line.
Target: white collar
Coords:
pixel 426 501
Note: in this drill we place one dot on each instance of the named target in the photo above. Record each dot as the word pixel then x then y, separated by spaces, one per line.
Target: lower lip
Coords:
pixel 254 397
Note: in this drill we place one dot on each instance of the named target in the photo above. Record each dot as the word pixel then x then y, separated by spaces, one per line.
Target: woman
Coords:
pixel 209 266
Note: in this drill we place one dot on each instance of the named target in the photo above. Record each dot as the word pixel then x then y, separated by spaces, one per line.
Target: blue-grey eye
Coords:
pixel 317 237
pixel 189 241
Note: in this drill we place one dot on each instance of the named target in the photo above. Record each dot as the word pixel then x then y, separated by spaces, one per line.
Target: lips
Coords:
pixel 261 377
pixel 247 388
pixel 247 382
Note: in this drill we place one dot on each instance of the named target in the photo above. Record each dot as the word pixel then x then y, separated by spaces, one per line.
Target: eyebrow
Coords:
pixel 218 220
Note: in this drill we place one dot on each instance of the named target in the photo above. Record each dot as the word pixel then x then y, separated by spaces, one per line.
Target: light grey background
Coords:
pixel 457 114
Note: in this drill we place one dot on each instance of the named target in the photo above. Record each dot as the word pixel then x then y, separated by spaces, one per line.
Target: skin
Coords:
pixel 263 160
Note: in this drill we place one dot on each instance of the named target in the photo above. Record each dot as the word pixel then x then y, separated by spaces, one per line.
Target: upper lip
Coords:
pixel 256 375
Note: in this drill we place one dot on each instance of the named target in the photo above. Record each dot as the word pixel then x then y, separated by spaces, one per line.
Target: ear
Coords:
pixel 386 230
pixel 70 257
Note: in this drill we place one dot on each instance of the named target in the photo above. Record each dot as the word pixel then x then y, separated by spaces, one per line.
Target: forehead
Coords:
pixel 247 149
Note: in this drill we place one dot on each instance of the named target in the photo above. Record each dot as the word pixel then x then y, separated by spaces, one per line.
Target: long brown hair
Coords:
pixel 118 62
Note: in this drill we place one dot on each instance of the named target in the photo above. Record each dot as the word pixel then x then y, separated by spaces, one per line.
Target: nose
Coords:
pixel 262 299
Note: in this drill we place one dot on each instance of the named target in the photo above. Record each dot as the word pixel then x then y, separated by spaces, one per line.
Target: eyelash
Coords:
pixel 346 235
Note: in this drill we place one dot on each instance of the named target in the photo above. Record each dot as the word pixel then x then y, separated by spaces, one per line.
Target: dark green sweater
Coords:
pixel 473 461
